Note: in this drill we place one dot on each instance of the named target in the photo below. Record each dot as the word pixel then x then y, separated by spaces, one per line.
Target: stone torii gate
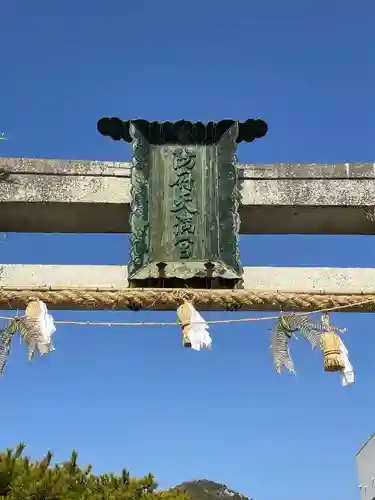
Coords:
pixel 68 196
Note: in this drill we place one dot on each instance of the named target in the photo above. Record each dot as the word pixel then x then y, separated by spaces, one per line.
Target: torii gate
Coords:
pixel 68 196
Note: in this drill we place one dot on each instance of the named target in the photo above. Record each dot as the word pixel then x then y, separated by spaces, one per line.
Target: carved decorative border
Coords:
pixel 139 217
pixel 229 201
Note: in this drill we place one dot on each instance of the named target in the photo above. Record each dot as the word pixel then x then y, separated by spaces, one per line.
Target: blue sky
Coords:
pixel 133 397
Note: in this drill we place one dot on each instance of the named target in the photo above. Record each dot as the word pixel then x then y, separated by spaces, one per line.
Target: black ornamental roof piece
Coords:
pixel 181 131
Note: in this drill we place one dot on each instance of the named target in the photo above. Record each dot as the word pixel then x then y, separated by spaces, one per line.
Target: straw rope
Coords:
pixel 154 298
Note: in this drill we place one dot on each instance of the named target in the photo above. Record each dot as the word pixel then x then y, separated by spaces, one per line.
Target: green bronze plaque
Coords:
pixel 185 199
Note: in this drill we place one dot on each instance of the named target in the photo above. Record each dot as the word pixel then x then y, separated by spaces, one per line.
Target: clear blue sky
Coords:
pixel 133 397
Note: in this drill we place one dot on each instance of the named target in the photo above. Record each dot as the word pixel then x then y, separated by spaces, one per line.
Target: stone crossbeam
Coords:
pixel 269 288
pixel 39 195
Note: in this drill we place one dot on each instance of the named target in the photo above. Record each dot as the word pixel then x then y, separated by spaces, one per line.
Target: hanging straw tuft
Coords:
pixel 184 318
pixel 37 328
pixel 194 328
pixel 331 347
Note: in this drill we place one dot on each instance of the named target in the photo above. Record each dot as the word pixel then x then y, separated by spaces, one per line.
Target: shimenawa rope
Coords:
pixel 136 299
pixel 172 298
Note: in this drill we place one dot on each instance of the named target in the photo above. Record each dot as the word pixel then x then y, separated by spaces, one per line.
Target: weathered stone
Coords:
pixel 283 280
pixel 94 196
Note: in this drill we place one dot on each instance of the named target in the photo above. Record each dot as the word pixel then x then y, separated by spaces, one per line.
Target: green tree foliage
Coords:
pixel 23 479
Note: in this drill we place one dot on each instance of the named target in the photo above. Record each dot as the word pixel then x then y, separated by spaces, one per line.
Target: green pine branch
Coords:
pixel 24 479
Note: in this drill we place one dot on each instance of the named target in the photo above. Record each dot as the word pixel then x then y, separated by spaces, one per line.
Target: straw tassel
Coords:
pixel 37 328
pixel 184 318
pixel 194 328
pixel 331 347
